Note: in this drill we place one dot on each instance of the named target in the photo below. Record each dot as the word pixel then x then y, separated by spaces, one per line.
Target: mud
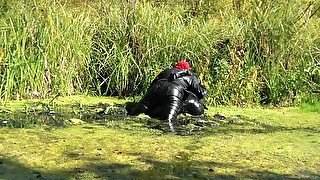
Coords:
pixel 114 116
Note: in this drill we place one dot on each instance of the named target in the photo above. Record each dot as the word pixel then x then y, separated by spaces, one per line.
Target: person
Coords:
pixel 174 91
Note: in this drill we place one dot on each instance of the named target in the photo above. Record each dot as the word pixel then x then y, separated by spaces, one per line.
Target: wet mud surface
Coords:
pixel 115 116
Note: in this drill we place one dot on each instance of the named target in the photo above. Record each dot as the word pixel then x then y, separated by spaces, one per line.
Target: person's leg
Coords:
pixel 168 109
pixel 151 100
pixel 143 105
pixel 138 109
pixel 192 105
pixel 171 111
pixel 156 112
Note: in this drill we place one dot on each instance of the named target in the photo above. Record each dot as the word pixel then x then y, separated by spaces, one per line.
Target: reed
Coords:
pixel 246 52
pixel 45 48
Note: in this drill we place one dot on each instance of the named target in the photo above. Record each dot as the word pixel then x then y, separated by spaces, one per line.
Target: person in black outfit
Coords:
pixel 172 92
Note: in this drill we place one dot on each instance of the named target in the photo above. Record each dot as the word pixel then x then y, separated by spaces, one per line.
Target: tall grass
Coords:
pixel 267 59
pixel 45 48
pixel 246 52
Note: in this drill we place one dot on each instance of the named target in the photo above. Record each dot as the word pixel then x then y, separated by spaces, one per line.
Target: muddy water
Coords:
pixel 114 116
pixel 43 114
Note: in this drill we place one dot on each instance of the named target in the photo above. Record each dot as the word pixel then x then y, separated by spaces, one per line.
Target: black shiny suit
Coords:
pixel 172 92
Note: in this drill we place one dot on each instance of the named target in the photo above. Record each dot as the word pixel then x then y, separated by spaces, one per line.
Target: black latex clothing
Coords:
pixel 172 92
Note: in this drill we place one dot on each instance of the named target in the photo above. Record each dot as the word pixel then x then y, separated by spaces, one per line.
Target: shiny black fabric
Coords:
pixel 172 92
pixel 192 105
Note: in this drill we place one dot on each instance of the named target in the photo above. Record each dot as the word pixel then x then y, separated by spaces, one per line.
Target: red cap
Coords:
pixel 183 65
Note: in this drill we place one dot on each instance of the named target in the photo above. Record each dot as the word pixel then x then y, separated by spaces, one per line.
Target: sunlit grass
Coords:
pixel 264 143
pixel 314 107
pixel 245 53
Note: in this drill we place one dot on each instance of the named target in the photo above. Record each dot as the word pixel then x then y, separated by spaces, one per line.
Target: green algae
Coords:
pixel 239 143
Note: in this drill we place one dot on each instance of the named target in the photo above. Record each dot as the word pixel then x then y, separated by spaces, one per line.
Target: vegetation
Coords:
pixel 246 52
pixel 249 143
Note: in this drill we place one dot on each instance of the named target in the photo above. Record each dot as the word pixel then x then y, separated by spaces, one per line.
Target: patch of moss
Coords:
pixel 247 143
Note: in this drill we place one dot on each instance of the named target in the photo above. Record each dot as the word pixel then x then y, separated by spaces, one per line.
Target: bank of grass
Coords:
pixel 265 143
pixel 311 107
pixel 246 52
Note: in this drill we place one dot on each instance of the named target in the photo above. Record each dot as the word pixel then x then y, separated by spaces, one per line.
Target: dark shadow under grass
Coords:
pixel 180 168
pixel 10 169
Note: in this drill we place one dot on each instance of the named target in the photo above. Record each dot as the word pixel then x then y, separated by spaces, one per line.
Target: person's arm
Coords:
pixel 196 87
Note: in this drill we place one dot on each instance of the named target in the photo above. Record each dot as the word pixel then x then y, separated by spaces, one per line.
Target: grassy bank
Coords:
pixel 246 52
pixel 250 143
